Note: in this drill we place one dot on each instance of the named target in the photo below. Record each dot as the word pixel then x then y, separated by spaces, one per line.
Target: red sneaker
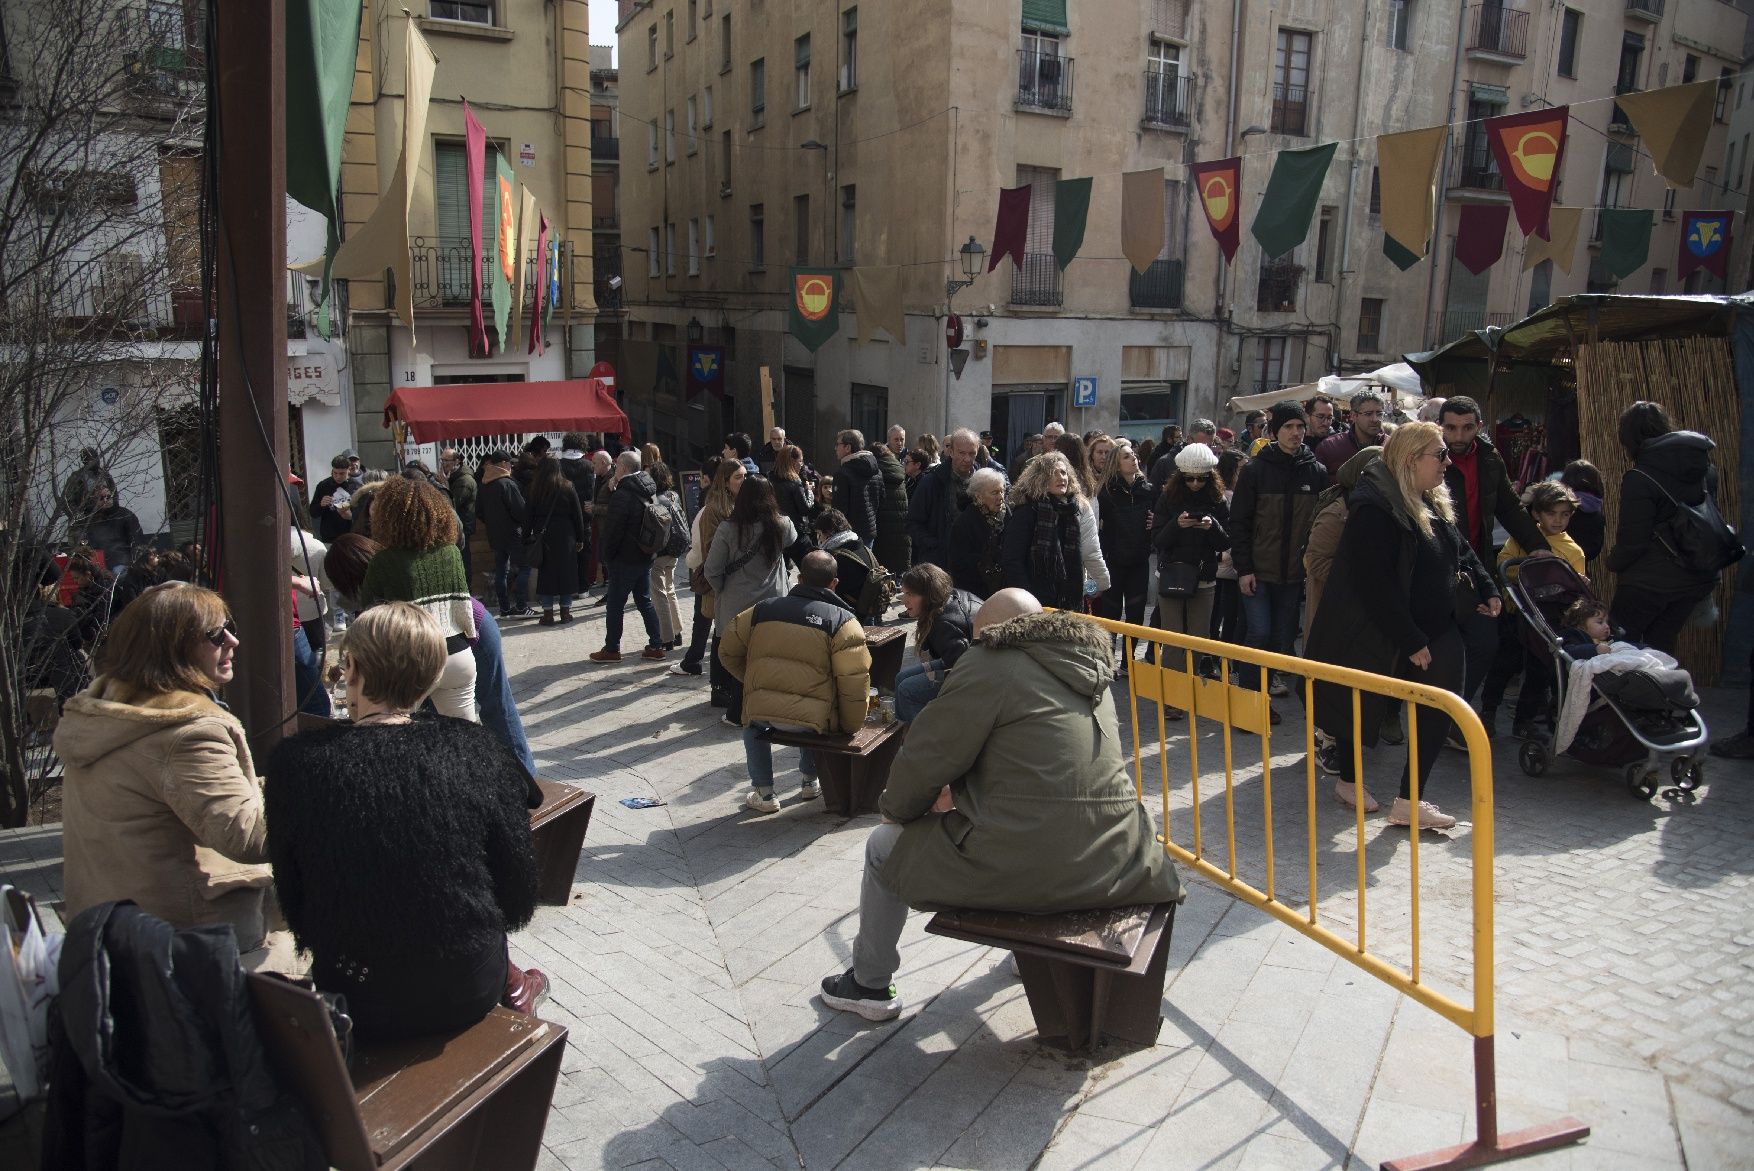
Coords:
pixel 605 656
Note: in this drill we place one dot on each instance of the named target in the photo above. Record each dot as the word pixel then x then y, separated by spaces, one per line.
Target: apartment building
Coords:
pixel 605 203
pixel 525 68
pixel 783 132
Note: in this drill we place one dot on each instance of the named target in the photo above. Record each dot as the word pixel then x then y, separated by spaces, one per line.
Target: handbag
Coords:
pixel 533 544
pixel 1178 579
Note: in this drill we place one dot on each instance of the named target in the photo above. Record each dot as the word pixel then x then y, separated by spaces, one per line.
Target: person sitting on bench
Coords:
pixel 401 845
pixel 804 665
pixel 1010 794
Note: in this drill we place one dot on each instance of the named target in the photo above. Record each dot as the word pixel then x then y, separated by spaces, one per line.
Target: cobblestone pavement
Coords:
pixel 686 968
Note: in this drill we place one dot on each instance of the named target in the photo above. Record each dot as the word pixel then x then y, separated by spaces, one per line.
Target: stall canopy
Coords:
pixel 464 410
pixel 1398 377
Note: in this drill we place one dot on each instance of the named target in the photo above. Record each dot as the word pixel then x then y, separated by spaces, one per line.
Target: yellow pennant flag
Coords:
pixel 1407 170
pixel 1142 217
pixel 1674 123
pixel 877 302
pixel 382 241
pixel 1562 226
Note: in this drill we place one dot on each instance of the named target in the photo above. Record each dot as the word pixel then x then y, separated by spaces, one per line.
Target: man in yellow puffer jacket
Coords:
pixel 804 666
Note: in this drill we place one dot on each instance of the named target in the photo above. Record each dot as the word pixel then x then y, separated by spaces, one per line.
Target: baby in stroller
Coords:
pixel 1647 684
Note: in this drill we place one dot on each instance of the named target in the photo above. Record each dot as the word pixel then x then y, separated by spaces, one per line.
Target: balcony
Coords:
pixel 1169 98
pixel 1158 287
pixel 1044 82
pixel 606 150
pixel 1276 291
pixel 439 271
pixel 1473 168
pixel 1037 280
pixel 1651 10
pixel 1498 33
pixel 1460 322
pixel 1290 110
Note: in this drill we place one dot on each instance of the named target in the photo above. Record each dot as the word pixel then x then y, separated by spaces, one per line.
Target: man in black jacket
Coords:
pixel 1481 493
pixel 329 501
pixel 858 487
pixel 1163 463
pixel 629 565
pixel 939 499
pixel 501 505
pixel 579 468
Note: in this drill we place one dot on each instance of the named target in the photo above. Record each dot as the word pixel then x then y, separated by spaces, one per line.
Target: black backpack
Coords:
pixel 1697 536
pixel 655 523
pixel 880 586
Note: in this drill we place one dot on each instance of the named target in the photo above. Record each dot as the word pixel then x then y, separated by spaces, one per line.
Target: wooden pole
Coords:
pixel 249 104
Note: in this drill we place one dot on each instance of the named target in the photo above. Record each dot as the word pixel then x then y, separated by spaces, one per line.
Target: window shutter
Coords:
pixel 1045 16
pixel 1620 157
pixel 1169 18
pixel 1041 207
pixel 450 183
pixel 802 52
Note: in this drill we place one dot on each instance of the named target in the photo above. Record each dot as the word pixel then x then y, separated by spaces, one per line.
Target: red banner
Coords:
pixel 475 167
pixel 1011 231
pixel 1705 243
pixel 1529 149
pixel 1220 188
pixel 1480 235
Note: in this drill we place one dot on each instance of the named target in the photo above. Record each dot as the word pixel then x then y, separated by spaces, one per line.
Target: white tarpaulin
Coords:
pixel 1399 377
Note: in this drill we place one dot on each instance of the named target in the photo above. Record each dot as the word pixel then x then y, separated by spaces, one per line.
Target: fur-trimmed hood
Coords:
pixel 107 716
pixel 1068 646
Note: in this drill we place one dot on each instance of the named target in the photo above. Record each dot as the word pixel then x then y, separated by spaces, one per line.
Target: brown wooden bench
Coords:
pixel 557 829
pixel 853 769
pixel 887 645
pixel 1088 974
pixel 475 1098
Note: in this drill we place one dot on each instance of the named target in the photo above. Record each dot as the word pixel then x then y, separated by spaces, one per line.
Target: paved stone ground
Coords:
pixel 687 964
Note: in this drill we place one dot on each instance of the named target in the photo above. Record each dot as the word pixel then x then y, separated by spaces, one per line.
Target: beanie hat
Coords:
pixel 1195 458
pixel 1284 413
pixel 1225 435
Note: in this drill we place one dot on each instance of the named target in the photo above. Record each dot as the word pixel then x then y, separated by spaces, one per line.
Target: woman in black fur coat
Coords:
pixel 401 845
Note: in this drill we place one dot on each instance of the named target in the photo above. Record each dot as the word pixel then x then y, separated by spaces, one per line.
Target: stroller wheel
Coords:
pixel 1533 758
pixel 1687 773
pixel 1639 783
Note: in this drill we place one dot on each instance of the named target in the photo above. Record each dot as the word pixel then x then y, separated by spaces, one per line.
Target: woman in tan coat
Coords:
pixel 161 800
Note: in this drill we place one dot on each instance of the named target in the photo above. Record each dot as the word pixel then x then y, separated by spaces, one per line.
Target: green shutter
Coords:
pixel 450 186
pixel 1046 16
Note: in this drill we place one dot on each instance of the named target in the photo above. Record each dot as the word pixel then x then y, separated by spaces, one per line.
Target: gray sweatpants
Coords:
pixel 882 914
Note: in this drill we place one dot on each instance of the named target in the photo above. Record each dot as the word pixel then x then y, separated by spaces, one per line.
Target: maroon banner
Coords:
pixel 1219 186
pixel 1480 235
pixel 1529 149
pixel 1705 243
pixel 475 167
pixel 538 343
pixel 1012 229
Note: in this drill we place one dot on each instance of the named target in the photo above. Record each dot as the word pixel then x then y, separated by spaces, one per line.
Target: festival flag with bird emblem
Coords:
pixel 815 311
pixel 1705 243
pixel 1529 148
pixel 1219 185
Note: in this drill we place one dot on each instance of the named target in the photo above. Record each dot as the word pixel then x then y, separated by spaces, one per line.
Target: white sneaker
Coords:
pixel 1430 816
pixel 730 723
pixel 1278 688
pixel 761 804
pixel 809 789
pixel 1345 792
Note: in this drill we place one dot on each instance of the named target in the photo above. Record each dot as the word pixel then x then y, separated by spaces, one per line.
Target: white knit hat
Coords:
pixel 1194 458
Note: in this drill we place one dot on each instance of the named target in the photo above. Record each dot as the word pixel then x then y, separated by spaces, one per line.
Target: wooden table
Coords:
pixel 853 769
pixel 887 645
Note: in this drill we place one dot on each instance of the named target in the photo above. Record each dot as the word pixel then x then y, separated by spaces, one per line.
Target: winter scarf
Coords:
pixel 1055 559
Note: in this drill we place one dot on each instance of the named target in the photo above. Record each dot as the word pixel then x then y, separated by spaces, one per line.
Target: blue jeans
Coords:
pixel 624 580
pixel 1270 618
pixel 914 689
pixel 505 565
pixel 307 677
pixel 493 692
pixel 758 755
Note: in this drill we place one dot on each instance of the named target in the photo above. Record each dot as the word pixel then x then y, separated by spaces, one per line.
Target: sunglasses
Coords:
pixel 1196 478
pixel 1441 455
pixel 218 636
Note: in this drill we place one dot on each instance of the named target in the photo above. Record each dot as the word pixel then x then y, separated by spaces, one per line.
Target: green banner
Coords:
pixel 1401 256
pixel 1289 203
pixel 502 228
pixel 322 40
pixel 815 305
pixel 1625 240
pixel 1071 210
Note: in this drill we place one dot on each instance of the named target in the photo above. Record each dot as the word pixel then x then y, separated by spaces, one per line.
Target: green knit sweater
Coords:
pixel 432 579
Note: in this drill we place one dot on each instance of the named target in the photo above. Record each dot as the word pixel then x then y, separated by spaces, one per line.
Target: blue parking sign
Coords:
pixel 1083 392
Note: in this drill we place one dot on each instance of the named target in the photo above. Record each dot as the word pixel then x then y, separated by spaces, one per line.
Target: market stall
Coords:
pixel 1398 378
pixel 465 410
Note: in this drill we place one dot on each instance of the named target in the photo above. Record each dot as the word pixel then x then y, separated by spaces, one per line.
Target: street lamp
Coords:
pixel 696 332
pixel 973 259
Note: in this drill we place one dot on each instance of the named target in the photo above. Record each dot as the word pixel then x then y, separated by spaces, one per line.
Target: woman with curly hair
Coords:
pixel 1049 547
pixel 420 563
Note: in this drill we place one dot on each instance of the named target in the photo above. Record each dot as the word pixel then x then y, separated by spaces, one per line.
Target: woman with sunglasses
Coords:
pixel 161 801
pixel 1191 528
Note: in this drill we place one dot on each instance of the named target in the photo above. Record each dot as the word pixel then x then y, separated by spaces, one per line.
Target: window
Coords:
pixel 669 136
pixel 869 408
pixel 1694 281
pixel 1037 280
pixel 1160 285
pixel 693 19
pixel 1541 286
pixel 1689 69
pixel 1722 109
pixel 1165 100
pixel 1730 161
pixel 1144 414
pixel 757 237
pixel 1400 20
pixel 725 163
pixel 1570 29
pixel 1743 164
pixel 801 229
pixel 1659 281
pixel 706 108
pixel 848 224
pixel 1631 55
pixel 1370 325
pixel 1270 363
pixel 669 249
pixel 467 11
pixel 801 71
pixel 758 91
pixel 693 247
pixel 725 43
pixel 1276 290
pixel 652 252
pixel 693 125
pixel 712 239
pixel 652 47
pixel 651 146
pixel 450 207
pixel 1044 77
pixel 849 50
pixel 1324 244
pixel 1375 204
pixel 669 35
pixel 1668 203
pixel 1291 83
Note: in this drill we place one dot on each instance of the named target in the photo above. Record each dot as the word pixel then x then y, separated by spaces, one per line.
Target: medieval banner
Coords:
pixel 1673 123
pixel 1529 148
pixel 1220 188
pixel 1705 243
pixel 815 312
pixel 1407 164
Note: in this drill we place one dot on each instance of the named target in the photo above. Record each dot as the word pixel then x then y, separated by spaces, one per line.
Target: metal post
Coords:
pixel 249 105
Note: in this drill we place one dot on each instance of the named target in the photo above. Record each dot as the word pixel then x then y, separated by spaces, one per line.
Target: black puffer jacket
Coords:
pixel 858 491
pixel 156 1061
pixel 1125 513
pixel 620 531
pixel 1271 512
pixel 892 547
pixel 953 629
pixel 1678 464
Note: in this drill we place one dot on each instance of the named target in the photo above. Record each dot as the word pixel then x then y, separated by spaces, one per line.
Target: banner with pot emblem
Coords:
pixel 1529 148
pixel 1705 243
pixel 815 313
pixel 1220 186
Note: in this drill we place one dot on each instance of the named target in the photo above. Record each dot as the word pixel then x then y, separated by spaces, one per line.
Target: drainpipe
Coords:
pixel 1338 330
pixel 1455 86
pixel 1219 311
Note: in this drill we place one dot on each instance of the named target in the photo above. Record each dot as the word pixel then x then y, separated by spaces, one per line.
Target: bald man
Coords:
pixel 1010 794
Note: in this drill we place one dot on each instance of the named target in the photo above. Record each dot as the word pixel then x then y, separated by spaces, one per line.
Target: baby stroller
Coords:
pixel 1616 731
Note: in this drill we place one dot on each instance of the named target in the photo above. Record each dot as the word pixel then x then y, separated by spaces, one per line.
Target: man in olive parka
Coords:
pixel 1010 793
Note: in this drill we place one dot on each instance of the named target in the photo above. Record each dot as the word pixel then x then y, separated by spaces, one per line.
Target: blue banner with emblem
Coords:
pixel 1705 243
pixel 706 370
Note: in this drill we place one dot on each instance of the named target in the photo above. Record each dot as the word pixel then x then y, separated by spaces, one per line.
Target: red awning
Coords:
pixel 464 410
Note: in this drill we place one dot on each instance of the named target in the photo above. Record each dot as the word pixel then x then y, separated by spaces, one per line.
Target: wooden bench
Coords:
pixel 1088 974
pixel 557 829
pixel 853 769
pixel 475 1098
pixel 887 645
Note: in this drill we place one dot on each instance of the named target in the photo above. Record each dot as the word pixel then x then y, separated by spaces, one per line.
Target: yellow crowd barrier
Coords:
pixel 1172 681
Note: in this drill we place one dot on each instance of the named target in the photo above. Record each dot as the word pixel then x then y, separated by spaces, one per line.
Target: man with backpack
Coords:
pixel 636 528
pixel 863 583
